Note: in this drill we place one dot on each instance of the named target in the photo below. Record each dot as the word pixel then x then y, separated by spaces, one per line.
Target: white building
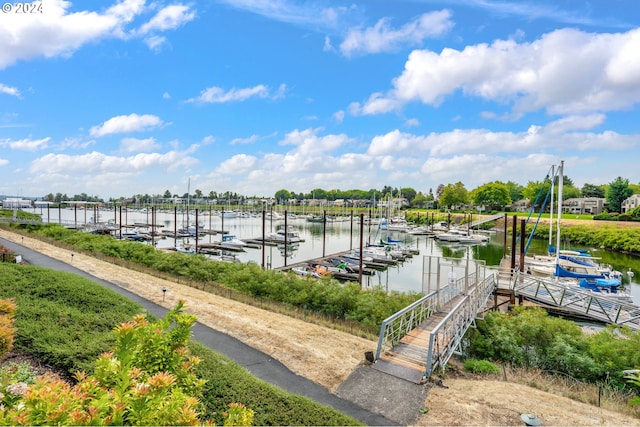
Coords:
pixel 16 203
pixel 631 203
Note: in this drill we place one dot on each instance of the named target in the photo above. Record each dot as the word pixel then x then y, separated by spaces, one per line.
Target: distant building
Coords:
pixel 522 205
pixel 584 205
pixel 397 202
pixel 631 203
pixel 16 203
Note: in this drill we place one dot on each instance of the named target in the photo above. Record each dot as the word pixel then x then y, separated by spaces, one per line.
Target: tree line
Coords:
pixel 494 195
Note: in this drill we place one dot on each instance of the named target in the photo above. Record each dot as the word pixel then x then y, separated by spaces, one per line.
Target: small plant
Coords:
pixel 238 415
pixel 634 380
pixel 14 380
pixel 7 330
pixel 481 367
pixel 17 372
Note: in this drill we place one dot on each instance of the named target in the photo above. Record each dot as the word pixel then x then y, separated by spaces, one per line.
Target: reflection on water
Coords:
pixel 339 237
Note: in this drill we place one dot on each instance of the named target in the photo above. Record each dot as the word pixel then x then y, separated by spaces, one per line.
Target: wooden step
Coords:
pixel 404 360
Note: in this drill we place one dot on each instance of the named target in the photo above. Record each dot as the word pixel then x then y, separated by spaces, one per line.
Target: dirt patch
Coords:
pixel 328 357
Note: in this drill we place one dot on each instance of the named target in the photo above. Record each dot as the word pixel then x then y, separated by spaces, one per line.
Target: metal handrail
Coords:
pixel 579 301
pixel 446 337
pixel 396 326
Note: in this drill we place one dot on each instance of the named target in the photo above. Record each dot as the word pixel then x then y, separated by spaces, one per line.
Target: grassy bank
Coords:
pixel 66 321
pixel 344 306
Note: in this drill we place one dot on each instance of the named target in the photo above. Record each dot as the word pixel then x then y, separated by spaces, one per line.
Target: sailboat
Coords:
pixel 577 268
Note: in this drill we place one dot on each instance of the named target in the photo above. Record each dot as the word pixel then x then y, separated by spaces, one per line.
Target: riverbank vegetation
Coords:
pixel 626 240
pixel 527 337
pixel 342 305
pixel 67 322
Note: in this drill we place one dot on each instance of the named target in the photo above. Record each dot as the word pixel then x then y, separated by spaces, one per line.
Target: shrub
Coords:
pixel 481 367
pixel 7 330
pixel 148 379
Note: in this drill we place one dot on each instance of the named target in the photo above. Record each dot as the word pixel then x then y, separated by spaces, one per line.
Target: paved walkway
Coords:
pixel 365 395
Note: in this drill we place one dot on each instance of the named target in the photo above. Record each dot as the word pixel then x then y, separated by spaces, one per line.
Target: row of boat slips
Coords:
pixel 347 265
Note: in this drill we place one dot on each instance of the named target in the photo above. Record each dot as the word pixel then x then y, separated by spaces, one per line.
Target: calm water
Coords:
pixel 338 237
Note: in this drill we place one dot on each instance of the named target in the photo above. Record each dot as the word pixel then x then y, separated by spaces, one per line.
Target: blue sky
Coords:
pixel 116 98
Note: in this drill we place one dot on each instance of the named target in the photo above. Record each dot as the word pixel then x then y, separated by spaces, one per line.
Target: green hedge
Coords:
pixel 348 302
pixel 617 239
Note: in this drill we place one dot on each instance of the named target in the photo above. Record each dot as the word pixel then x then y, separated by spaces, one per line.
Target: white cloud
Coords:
pixel 293 12
pixel 8 90
pixel 124 124
pixel 382 38
pixel 26 144
pixel 563 135
pixel 250 140
pixel 100 163
pixel 135 145
pixel 168 18
pixel 4 162
pixel 59 32
pixel 238 164
pixel 564 72
pixel 217 95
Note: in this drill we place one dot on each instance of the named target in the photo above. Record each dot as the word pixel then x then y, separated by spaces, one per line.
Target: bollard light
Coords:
pixel 164 292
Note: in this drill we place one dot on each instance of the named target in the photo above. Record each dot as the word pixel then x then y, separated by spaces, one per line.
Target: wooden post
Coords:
pixel 153 224
pixel 522 239
pixel 324 230
pixel 175 226
pixel 196 230
pixel 351 232
pixel 361 244
pixel 285 237
pixel 504 243
pixel 264 218
pixel 513 242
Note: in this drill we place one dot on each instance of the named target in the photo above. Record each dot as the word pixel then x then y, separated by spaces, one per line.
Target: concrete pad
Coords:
pixel 396 399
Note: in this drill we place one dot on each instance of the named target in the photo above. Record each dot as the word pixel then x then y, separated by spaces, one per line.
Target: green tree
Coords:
pixel 420 201
pixel 494 195
pixel 454 195
pixel 570 192
pixel 282 196
pixel 592 190
pixel 408 193
pixel 536 192
pixel 515 190
pixel 617 192
pixel 317 193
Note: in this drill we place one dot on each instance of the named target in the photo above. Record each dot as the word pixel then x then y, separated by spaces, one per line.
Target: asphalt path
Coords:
pixel 258 363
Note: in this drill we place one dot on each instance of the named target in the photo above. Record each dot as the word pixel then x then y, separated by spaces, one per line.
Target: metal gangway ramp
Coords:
pixel 577 302
pixel 422 337
pixel 487 219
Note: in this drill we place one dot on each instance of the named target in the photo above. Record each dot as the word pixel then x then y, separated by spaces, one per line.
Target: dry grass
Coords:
pixel 501 399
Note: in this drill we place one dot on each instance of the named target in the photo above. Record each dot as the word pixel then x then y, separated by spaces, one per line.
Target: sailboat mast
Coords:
pixel 560 184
